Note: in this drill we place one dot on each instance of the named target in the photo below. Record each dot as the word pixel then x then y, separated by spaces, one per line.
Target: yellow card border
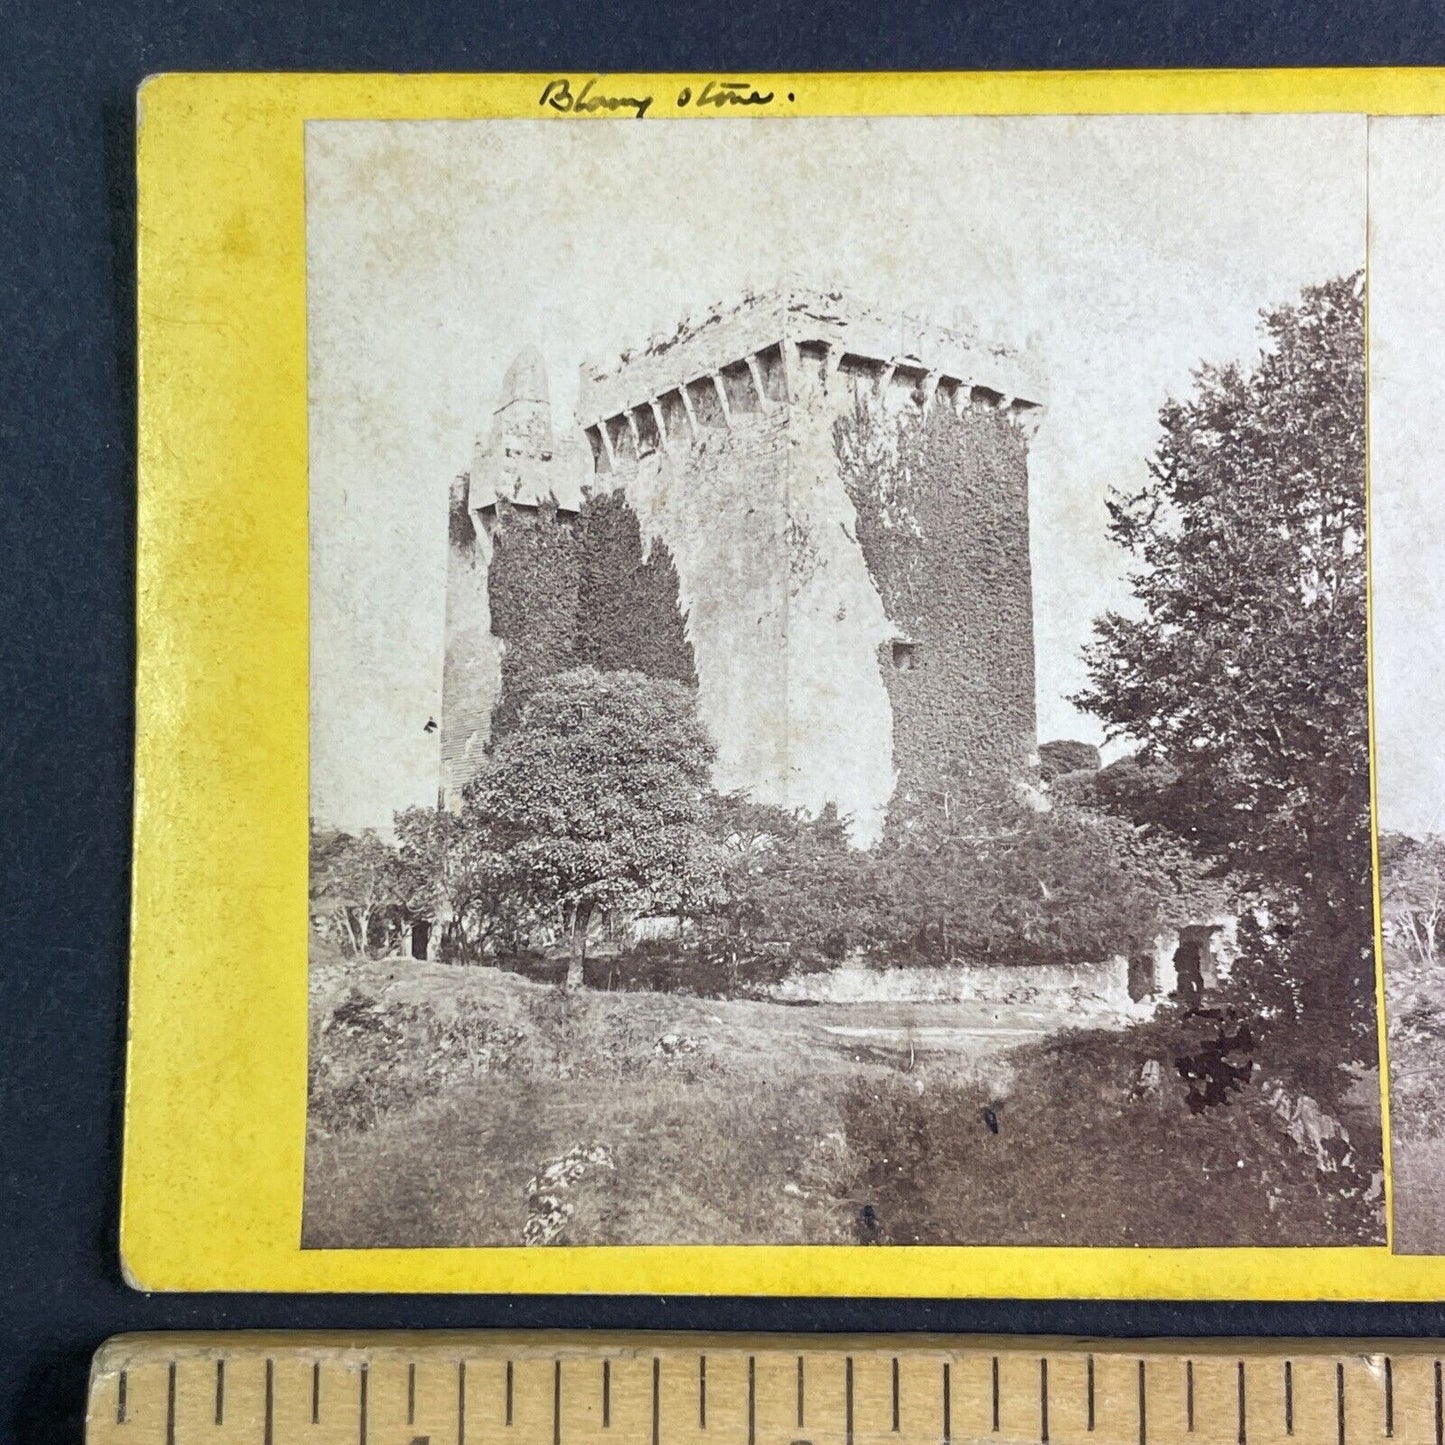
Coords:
pixel 216 1069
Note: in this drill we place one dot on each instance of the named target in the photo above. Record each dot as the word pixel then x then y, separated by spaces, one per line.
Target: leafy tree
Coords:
pixel 787 877
pixel 1009 882
pixel 1243 671
pixel 460 884
pixel 1066 756
pixel 595 798
pixel 356 882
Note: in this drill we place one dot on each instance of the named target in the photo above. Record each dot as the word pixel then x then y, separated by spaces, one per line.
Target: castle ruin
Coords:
pixel 815 514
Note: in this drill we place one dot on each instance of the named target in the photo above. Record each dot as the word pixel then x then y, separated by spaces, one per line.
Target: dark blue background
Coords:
pixel 67 518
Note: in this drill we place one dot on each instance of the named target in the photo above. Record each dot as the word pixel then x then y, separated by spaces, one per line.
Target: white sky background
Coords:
pixel 1131 248
pixel 1407 451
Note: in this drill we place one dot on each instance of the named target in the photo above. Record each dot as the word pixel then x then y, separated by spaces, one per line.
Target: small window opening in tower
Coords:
pixel 649 439
pixel 774 373
pixel 705 404
pixel 599 453
pixel 741 392
pixel 905 655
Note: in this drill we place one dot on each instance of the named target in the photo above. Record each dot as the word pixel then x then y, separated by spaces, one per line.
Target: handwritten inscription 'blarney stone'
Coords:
pixel 563 96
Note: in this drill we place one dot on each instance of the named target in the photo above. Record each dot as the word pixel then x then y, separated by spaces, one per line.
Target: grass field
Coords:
pixel 439 1093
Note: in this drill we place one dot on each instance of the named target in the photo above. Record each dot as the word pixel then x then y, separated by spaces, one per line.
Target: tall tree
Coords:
pixel 595 798
pixel 1244 668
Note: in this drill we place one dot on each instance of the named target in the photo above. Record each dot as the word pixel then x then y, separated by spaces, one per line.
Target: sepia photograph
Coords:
pixel 840 687
pixel 1407 401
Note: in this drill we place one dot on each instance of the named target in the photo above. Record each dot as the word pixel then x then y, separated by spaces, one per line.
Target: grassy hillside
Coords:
pixel 439 1093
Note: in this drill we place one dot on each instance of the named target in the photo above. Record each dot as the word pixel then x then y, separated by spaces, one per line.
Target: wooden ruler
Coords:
pixel 433 1388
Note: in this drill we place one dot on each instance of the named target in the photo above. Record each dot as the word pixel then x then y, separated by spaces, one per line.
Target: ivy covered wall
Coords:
pixel 942 505
pixel 628 613
pixel 532 587
pixel 576 590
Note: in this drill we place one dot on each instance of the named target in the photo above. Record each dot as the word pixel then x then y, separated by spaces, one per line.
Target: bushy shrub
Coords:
pixel 1066 756
pixel 1010 884
pixel 713 967
pixel 790 886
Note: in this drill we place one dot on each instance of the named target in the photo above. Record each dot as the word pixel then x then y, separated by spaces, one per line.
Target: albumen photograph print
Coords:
pixel 840 688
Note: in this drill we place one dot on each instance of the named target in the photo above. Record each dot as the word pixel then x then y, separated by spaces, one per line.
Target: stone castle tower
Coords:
pixel 519 477
pixel 823 521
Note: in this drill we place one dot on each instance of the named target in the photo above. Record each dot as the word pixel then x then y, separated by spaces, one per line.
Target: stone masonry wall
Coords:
pixel 718 504
pixel 471 669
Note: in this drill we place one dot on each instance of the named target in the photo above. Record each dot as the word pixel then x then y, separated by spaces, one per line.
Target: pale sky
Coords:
pixel 1407 444
pixel 1128 248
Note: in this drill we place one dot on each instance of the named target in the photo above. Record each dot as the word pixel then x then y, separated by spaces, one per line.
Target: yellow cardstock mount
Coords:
pixel 216 1081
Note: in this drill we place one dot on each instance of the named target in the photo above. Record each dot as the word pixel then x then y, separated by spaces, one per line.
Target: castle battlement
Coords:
pixel 764 351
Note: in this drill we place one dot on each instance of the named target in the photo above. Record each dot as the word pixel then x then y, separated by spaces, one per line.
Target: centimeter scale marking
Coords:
pixel 584 1389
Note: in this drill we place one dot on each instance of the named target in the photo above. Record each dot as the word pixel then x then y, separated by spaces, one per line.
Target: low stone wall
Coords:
pixel 1094 988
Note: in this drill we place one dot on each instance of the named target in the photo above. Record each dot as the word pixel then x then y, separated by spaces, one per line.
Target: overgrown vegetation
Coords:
pixel 747 1122
pixel 1412 878
pixel 1049 1167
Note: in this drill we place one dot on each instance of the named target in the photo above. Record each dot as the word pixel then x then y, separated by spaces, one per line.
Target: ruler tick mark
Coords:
pixel 462 1400
pixel 1389 1397
pixel 171 1406
pixel 509 1392
pixel 1439 1411
pixel 1143 1404
pixel 1089 1376
pixel 800 1391
pixel 702 1392
pixel 606 1394
pixel 220 1392
pixel 752 1400
pixel 361 1390
pixel 120 1399
pixel 411 1394
pixel 947 1404
pixel 1288 1398
pixel 316 1392
pixel 1044 1401
pixel 268 1426
pixel 1243 1414
pixel 848 1402
pixel 656 1400
pixel 1189 1395
pixel 995 1394
pixel 556 1402
pixel 1340 1403
pixel 895 1394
